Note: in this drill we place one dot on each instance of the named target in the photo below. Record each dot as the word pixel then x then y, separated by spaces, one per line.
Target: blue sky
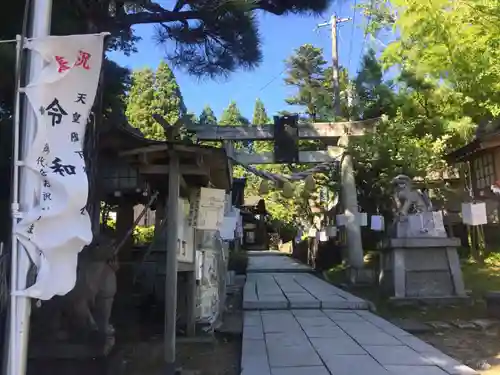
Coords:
pixel 281 35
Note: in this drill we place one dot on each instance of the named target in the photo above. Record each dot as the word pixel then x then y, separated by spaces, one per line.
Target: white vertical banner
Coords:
pixel 62 95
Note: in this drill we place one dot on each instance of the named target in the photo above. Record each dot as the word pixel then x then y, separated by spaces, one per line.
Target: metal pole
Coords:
pixel 11 363
pixel 18 346
pixel 171 263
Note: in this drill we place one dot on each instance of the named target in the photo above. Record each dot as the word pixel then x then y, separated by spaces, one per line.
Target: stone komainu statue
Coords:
pixel 85 311
pixel 409 200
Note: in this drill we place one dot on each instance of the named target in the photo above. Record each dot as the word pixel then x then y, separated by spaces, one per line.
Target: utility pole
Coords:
pixel 349 191
pixel 333 23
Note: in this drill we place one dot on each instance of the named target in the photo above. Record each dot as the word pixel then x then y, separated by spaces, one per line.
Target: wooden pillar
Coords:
pixel 171 265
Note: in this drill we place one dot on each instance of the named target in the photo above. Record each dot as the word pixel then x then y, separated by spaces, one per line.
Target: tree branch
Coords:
pixel 158 17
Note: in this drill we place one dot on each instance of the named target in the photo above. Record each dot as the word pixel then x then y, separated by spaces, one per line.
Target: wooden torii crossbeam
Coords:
pixel 319 130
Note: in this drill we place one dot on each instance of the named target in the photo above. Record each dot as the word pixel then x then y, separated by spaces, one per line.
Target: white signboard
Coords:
pixel 185 249
pixel 208 209
pixel 62 95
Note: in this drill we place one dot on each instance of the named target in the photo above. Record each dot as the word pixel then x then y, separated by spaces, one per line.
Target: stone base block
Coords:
pixel 421 268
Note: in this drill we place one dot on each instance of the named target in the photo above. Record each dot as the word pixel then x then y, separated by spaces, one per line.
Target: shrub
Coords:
pixel 143 235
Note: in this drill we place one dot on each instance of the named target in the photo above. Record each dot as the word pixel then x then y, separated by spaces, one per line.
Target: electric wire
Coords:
pixel 361 53
pixel 353 27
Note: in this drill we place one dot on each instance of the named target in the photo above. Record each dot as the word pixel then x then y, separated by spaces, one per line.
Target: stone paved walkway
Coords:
pixel 271 291
pixel 261 262
pixel 289 329
pixel 333 342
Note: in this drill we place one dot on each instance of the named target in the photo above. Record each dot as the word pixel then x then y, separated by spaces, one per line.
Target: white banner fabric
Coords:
pixel 62 95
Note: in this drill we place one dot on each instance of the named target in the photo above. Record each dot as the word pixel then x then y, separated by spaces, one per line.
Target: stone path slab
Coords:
pixel 261 262
pixel 335 342
pixel 281 291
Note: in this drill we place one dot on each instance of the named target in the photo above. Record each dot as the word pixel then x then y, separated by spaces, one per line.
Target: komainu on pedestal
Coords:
pixel 418 260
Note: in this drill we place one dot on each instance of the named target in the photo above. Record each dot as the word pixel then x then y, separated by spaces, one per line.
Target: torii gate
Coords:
pixel 287 130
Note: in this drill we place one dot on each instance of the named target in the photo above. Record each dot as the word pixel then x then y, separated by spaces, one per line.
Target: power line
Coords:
pixel 275 78
pixel 271 81
pixel 365 34
pixel 352 33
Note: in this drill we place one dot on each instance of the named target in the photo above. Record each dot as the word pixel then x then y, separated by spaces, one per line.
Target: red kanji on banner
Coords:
pixel 63 64
pixel 83 60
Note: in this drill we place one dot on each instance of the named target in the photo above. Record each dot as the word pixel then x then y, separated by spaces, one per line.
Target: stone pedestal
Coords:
pixel 421 269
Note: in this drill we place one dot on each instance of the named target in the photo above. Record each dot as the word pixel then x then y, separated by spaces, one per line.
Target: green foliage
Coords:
pixel 260 116
pixel 168 97
pixel 306 72
pixel 232 116
pixel 211 38
pixel 207 117
pixel 155 93
pixel 454 43
pixel 111 224
pixel 139 104
pixel 379 157
pixel 424 118
pixel 143 235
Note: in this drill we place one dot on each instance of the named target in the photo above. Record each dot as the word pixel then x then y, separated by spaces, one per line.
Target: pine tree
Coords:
pixel 139 104
pixel 168 98
pixel 372 92
pixel 260 116
pixel 152 93
pixel 306 71
pixel 325 106
pixel 207 117
pixel 232 116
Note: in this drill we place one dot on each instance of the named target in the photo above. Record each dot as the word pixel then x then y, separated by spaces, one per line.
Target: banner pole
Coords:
pixel 14 203
pixel 18 346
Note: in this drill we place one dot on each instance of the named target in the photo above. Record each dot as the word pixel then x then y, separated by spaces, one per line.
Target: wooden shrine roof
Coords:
pixel 480 143
pixel 199 165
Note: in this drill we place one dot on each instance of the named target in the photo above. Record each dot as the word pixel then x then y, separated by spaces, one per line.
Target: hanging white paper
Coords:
pixel 185 232
pixel 474 213
pixel 377 223
pixel 62 95
pixel 321 236
pixel 341 220
pixel 199 264
pixel 362 219
pixel 228 227
pixel 331 231
pixel 239 224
